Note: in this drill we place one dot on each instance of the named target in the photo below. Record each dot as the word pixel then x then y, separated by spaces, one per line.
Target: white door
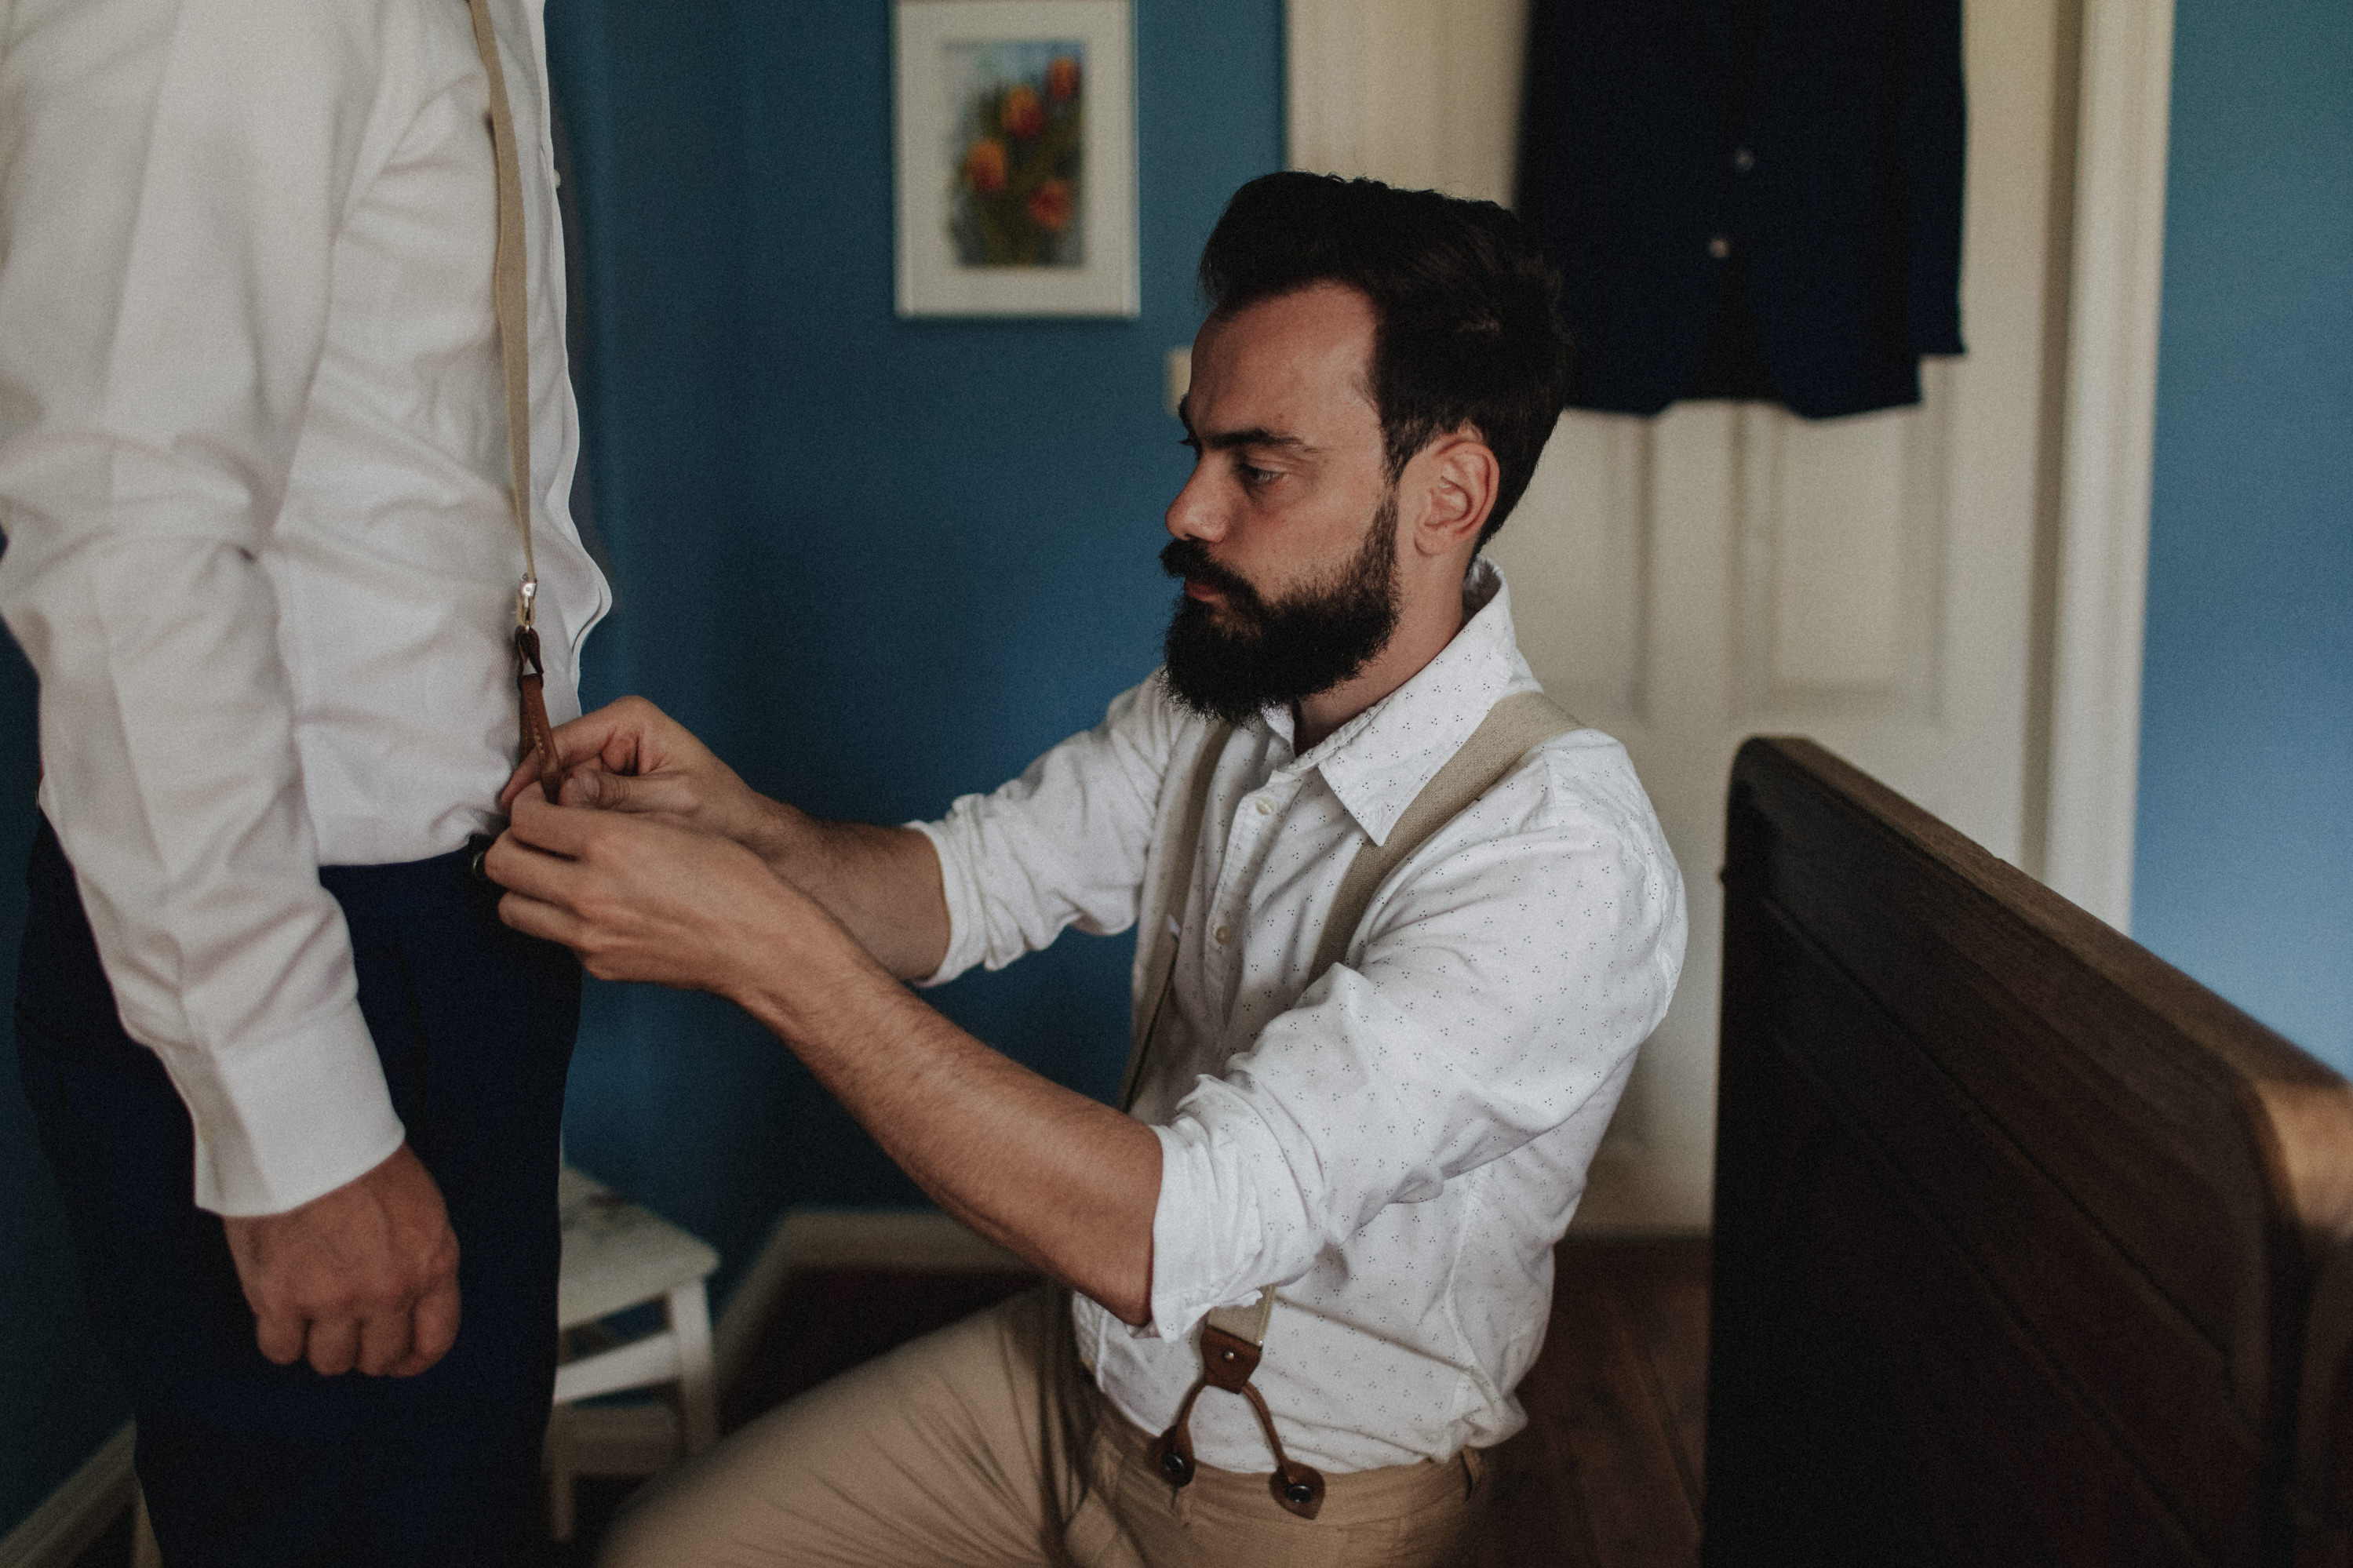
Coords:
pixel 1729 569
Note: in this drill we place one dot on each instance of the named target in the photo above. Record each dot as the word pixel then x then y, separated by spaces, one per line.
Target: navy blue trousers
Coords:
pixel 249 1465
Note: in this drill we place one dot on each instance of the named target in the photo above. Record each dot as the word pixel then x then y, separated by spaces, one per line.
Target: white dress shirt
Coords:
pixel 1399 1144
pixel 253 474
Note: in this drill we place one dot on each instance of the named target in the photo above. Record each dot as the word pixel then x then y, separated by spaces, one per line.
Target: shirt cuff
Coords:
pixel 279 1122
pixel 963 897
pixel 1210 1240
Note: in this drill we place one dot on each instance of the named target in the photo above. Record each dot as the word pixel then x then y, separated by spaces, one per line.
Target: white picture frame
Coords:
pixel 1052 84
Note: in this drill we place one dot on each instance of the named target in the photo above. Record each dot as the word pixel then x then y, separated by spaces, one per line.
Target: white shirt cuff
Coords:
pixel 279 1122
pixel 1211 1242
pixel 965 928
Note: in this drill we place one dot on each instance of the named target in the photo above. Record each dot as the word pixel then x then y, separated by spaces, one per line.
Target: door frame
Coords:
pixel 2107 444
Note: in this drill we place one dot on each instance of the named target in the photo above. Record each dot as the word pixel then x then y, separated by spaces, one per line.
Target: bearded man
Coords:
pixel 1403 926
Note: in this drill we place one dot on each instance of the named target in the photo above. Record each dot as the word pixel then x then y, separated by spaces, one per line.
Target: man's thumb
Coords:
pixel 593 787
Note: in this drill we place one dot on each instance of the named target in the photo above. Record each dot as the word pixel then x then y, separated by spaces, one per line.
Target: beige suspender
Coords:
pixel 1232 1337
pixel 509 302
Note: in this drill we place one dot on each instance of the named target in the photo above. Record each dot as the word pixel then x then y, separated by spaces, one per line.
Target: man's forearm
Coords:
pixel 883 884
pixel 1065 1181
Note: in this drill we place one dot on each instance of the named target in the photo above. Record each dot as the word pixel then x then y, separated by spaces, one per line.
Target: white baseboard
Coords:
pixel 78 1512
pixel 810 1238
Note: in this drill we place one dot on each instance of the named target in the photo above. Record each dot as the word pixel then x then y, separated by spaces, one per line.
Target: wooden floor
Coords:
pixel 1607 1474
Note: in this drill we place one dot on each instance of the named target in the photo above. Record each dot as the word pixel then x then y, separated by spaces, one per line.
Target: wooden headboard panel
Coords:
pixel 2020 1233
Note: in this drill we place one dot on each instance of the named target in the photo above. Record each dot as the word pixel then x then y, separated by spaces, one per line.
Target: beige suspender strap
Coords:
pixel 510 299
pixel 509 302
pixel 1511 729
pixel 1177 870
pixel 1232 1337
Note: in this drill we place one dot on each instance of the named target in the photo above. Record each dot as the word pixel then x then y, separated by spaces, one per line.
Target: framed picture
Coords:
pixel 1016 158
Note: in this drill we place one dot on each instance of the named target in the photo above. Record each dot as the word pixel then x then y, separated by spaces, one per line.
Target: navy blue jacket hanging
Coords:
pixel 1748 198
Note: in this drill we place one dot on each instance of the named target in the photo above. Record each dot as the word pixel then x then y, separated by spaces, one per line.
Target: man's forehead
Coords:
pixel 1308 353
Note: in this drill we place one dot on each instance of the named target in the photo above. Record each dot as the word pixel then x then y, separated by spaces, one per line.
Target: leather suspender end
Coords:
pixel 1226 1361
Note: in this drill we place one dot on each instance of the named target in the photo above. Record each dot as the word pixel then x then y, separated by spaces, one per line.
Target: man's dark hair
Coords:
pixel 1467 306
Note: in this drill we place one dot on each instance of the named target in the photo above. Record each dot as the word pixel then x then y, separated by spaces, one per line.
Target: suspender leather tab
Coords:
pixel 538 738
pixel 1227 1363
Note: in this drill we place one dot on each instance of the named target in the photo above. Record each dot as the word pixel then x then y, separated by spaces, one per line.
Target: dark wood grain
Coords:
pixel 2017 1229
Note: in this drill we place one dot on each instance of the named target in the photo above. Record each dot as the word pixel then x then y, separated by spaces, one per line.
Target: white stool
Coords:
pixel 618 1256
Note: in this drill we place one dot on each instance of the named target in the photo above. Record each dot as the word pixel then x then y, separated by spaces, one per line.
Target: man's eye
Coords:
pixel 1255 475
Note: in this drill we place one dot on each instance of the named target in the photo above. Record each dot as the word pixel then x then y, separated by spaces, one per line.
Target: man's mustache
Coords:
pixel 1189 559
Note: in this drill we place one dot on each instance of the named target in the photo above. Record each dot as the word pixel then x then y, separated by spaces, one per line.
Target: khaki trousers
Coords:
pixel 987 1444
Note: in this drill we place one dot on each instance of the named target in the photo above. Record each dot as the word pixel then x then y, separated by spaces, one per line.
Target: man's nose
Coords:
pixel 1195 513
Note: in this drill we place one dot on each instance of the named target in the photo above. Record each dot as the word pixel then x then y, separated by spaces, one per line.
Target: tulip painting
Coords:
pixel 1015 172
pixel 1020 154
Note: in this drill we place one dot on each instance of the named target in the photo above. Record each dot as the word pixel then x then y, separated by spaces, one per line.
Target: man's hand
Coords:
pixel 639 897
pixel 631 756
pixel 364 1276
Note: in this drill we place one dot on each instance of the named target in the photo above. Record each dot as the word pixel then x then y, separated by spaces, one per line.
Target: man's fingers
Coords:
pixel 552 829
pixel 280 1336
pixel 594 785
pixel 642 795
pixel 526 774
pixel 384 1340
pixel 544 920
pixel 433 1328
pixel 335 1345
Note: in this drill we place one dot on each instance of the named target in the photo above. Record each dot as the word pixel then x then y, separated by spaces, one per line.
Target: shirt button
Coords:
pixel 1743 160
pixel 1266 808
pixel 1719 246
pixel 1225 934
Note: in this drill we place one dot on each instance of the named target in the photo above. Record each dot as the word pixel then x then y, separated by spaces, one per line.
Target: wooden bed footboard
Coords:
pixel 2028 1248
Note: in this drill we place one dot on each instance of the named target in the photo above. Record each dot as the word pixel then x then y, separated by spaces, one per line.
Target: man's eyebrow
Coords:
pixel 1257 436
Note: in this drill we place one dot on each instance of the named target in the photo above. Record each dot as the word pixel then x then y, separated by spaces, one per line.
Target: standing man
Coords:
pixel 1402 929
pixel 301 1089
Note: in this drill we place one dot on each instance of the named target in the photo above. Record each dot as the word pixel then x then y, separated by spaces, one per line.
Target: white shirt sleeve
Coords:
pixel 1062 845
pixel 1499 996
pixel 172 179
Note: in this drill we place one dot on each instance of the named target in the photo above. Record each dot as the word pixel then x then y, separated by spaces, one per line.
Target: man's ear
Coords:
pixel 1460 478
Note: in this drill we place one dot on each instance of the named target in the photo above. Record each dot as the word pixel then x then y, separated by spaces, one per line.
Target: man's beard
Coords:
pixel 1296 648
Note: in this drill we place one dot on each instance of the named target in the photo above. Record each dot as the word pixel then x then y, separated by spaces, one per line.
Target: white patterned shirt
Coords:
pixel 254 477
pixel 1399 1145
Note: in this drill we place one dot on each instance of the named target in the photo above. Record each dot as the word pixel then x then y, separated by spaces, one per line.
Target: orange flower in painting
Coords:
pixel 984 167
pixel 1062 79
pixel 1050 205
pixel 1024 115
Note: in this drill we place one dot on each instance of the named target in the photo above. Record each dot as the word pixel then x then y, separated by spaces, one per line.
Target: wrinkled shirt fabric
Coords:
pixel 254 481
pixel 1399 1144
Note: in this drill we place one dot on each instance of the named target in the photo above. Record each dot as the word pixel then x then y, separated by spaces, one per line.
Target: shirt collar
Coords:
pixel 1379 761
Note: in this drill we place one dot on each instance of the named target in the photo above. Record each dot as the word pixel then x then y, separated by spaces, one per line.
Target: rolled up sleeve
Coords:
pixel 1062 845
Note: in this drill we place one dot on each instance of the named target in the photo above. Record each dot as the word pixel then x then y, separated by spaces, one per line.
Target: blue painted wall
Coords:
pixel 875 563
pixel 2243 874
